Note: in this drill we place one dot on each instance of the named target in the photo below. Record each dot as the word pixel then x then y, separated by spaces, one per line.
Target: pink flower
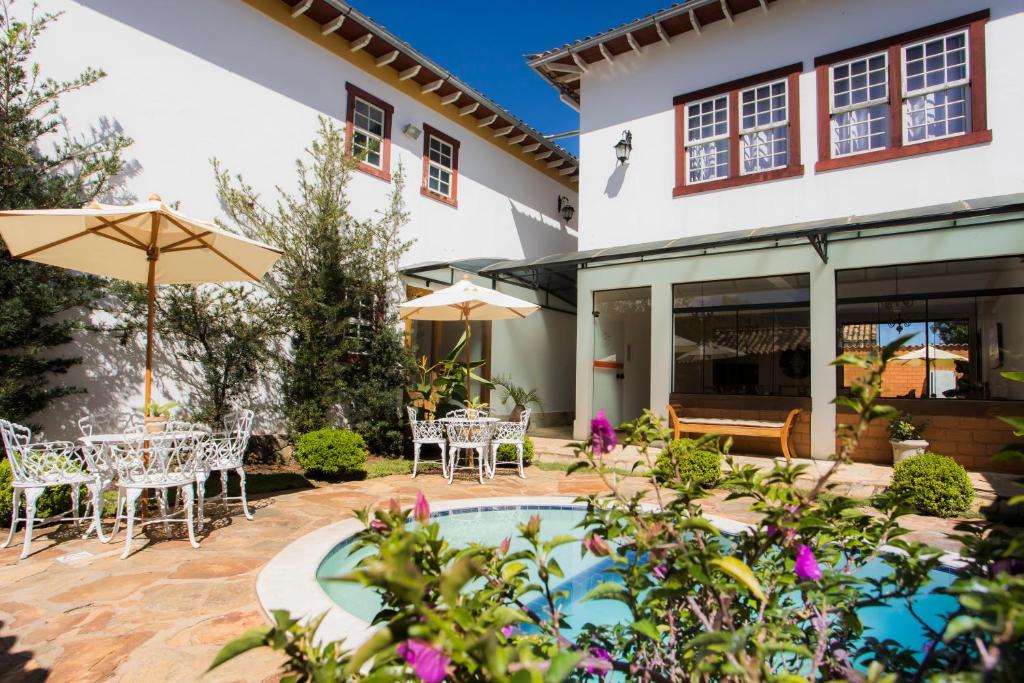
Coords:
pixel 807 568
pixel 602 435
pixel 505 543
pixel 379 525
pixel 429 663
pixel 596 545
pixel 661 571
pixel 598 653
pixel 507 631
pixel 421 511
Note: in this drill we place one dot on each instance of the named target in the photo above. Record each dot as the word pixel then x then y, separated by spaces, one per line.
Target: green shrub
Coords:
pixel 56 500
pixel 507 451
pixel 687 459
pixel 934 484
pixel 336 452
pixel 387 468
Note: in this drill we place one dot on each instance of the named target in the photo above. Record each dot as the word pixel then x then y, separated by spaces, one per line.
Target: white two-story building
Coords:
pixel 804 178
pixel 244 81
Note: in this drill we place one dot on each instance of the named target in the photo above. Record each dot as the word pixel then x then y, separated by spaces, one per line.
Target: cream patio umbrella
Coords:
pixel 466 301
pixel 147 243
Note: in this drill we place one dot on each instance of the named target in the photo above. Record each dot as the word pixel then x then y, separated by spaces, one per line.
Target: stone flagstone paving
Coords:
pixel 162 614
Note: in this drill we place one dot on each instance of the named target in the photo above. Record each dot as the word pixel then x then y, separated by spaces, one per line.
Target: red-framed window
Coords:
pixel 440 166
pixel 368 131
pixel 917 92
pixel 737 133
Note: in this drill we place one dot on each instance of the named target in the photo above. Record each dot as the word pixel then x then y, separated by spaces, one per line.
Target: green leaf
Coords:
pixel 739 571
pixel 380 640
pixel 250 640
pixel 578 465
pixel 607 590
pixel 958 626
pixel 647 628
pixel 1013 376
pixel 1017 423
pixel 562 665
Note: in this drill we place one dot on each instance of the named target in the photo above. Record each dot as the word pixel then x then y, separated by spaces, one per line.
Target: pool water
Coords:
pixel 491 524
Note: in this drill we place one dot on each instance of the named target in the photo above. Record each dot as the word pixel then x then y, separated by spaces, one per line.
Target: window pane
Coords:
pixel 860 81
pixel 366 148
pixel 763 105
pixel 708 161
pixel 687 352
pixel 765 150
pixel 860 130
pixel 707 119
pixel 369 118
pixel 937 62
pixel 949 349
pixel 938 114
pixel 439 180
pixel 792 354
pixel 440 152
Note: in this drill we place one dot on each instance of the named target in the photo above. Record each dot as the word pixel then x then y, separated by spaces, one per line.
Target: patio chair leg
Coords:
pixel 131 495
pixel 416 458
pixel 444 461
pixel 75 505
pixel 31 496
pixel 482 464
pixel 453 460
pixel 201 495
pixel 15 501
pixel 189 493
pixel 519 451
pixel 493 464
pixel 164 504
pixel 118 511
pixel 224 488
pixel 245 501
pixel 96 494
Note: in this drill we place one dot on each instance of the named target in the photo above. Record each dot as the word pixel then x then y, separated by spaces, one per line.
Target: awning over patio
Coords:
pixel 556 273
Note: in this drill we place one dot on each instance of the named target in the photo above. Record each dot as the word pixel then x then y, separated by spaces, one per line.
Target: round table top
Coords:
pixel 468 419
pixel 121 437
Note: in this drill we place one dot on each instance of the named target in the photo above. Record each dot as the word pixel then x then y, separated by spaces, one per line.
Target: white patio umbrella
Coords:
pixel 146 243
pixel 466 301
pixel 933 352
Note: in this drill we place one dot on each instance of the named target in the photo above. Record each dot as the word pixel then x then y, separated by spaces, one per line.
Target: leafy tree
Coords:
pixel 335 284
pixel 229 333
pixel 42 166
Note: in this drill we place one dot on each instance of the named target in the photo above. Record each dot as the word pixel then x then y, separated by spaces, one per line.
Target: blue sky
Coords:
pixel 484 45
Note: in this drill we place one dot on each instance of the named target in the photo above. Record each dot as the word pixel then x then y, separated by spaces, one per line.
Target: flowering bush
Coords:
pixel 779 602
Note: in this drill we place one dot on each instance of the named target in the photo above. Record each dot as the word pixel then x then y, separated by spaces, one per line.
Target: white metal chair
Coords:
pixel 468 435
pixel 465 413
pixel 424 433
pixel 223 452
pixel 36 467
pixel 110 422
pixel 512 434
pixel 159 462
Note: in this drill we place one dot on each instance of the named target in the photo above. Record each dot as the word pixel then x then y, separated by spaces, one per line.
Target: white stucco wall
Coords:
pixel 190 80
pixel 630 204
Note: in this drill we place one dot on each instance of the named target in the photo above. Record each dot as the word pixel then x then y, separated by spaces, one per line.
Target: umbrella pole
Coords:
pixel 465 319
pixel 152 254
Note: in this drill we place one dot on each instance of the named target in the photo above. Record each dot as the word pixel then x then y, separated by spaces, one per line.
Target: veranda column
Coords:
pixel 823 351
pixel 584 355
pixel 661 346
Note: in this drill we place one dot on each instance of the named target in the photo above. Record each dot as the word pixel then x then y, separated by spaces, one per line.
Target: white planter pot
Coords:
pixel 901 450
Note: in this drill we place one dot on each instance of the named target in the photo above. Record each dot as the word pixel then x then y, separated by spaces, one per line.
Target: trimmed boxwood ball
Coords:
pixel 337 452
pixel 934 484
pixel 507 451
pixel 700 464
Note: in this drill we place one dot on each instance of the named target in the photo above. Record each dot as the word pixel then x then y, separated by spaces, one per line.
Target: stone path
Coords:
pixel 162 614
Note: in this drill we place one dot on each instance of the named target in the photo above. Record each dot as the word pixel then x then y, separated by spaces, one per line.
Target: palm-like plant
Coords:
pixel 520 396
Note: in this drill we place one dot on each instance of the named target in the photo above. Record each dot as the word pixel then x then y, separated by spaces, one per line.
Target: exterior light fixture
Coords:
pixel 412 131
pixel 624 146
pixel 565 208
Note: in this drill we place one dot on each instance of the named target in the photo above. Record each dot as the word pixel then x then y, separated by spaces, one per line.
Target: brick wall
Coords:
pixel 971 441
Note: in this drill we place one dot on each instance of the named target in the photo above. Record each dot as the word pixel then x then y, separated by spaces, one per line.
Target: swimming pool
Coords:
pixel 493 522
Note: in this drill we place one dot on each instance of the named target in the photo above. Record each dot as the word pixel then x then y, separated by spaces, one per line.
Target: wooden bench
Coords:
pixel 713 425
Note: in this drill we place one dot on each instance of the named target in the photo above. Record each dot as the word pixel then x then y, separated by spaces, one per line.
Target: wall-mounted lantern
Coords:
pixel 565 208
pixel 412 131
pixel 624 146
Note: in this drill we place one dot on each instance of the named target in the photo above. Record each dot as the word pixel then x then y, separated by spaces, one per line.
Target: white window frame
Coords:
pixel 768 126
pixel 964 82
pixel 833 110
pixel 687 143
pixel 433 164
pixel 368 134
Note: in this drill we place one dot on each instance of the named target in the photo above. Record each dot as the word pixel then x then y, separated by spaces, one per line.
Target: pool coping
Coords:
pixel 289 580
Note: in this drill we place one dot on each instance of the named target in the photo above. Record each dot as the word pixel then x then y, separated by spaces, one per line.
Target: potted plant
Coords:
pixel 906 438
pixel 474 407
pixel 155 415
pixel 521 398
